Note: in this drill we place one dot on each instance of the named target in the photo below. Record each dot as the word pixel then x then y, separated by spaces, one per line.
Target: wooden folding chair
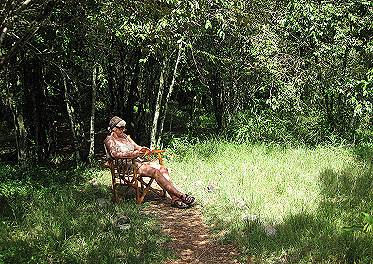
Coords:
pixel 124 174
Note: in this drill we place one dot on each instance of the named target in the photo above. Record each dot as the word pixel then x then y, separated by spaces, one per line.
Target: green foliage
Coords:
pixel 298 71
pixel 330 42
pixel 367 225
pixel 368 219
pixel 309 129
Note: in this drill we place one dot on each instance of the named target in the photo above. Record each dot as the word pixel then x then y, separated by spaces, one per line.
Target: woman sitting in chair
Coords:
pixel 120 145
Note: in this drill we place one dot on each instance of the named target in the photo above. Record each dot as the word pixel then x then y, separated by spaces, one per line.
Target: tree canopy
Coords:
pixel 284 71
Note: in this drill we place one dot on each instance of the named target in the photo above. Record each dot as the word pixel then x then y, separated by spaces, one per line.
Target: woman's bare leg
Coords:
pixel 159 176
pixel 162 169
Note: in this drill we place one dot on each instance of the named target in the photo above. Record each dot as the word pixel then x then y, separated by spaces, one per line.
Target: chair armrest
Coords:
pixel 159 155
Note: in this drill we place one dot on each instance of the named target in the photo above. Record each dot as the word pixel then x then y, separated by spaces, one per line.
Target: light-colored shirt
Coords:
pixel 124 147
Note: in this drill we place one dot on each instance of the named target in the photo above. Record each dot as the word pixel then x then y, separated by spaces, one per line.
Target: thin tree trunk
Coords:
pixel 147 94
pixel 70 112
pixel 170 90
pixel 18 121
pixel 121 84
pixel 21 137
pixel 110 85
pixel 35 121
pixel 47 126
pixel 154 134
pixel 133 92
pixel 20 130
pixel 20 133
pixel 93 112
pixel 216 93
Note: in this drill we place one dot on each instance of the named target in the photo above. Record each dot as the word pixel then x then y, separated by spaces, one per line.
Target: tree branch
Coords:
pixel 19 44
pixel 35 25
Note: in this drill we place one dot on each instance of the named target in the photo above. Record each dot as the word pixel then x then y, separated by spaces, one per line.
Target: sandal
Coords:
pixel 187 199
pixel 179 204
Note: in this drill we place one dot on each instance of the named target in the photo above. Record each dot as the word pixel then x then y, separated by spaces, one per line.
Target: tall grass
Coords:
pixel 280 203
pixel 50 216
pixel 277 204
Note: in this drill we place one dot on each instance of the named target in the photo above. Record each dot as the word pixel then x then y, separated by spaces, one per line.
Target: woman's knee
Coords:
pixel 155 173
pixel 165 174
pixel 149 171
pixel 163 170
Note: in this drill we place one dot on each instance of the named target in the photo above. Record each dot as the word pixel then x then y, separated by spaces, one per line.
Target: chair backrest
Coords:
pixel 108 156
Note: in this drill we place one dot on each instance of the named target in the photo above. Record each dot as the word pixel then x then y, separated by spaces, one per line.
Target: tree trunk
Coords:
pixel 154 133
pixel 133 92
pixel 111 86
pixel 18 120
pixel 170 90
pixel 121 84
pixel 216 94
pixel 93 112
pixel 34 88
pixel 21 132
pixel 73 125
pixel 21 136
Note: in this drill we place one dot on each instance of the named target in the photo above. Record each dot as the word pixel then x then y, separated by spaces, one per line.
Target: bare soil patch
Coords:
pixel 191 240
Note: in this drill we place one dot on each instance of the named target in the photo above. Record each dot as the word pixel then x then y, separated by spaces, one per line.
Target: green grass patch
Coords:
pixel 280 203
pixel 277 204
pixel 53 216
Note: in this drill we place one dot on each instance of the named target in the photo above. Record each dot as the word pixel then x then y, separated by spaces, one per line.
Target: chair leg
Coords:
pixel 140 192
pixel 128 177
pixel 140 199
pixel 114 193
pixel 142 195
pixel 144 189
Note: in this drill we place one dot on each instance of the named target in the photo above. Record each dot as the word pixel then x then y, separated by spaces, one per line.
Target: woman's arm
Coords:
pixel 137 147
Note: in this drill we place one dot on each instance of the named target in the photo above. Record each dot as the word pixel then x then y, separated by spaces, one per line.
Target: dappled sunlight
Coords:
pixel 191 239
pixel 278 205
pixel 78 223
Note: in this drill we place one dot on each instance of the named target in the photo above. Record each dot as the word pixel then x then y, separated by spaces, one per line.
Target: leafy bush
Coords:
pixel 308 129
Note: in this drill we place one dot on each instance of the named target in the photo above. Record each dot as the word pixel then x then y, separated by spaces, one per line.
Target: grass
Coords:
pixel 281 203
pixel 50 216
pixel 277 204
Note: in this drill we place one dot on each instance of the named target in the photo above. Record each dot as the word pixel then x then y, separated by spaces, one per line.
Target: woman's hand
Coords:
pixel 131 154
pixel 145 150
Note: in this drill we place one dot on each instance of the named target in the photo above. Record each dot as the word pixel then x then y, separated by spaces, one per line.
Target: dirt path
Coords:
pixel 191 240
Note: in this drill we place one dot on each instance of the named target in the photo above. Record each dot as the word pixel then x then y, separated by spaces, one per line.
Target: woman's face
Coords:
pixel 119 130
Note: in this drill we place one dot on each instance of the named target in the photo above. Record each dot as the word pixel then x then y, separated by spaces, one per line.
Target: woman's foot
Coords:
pixel 184 201
pixel 187 199
pixel 179 204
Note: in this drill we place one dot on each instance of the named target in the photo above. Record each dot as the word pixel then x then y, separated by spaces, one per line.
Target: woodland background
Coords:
pixel 264 107
pixel 292 72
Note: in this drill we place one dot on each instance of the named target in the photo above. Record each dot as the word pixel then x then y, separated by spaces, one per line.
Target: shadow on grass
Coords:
pixel 74 222
pixel 315 237
pixel 364 152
